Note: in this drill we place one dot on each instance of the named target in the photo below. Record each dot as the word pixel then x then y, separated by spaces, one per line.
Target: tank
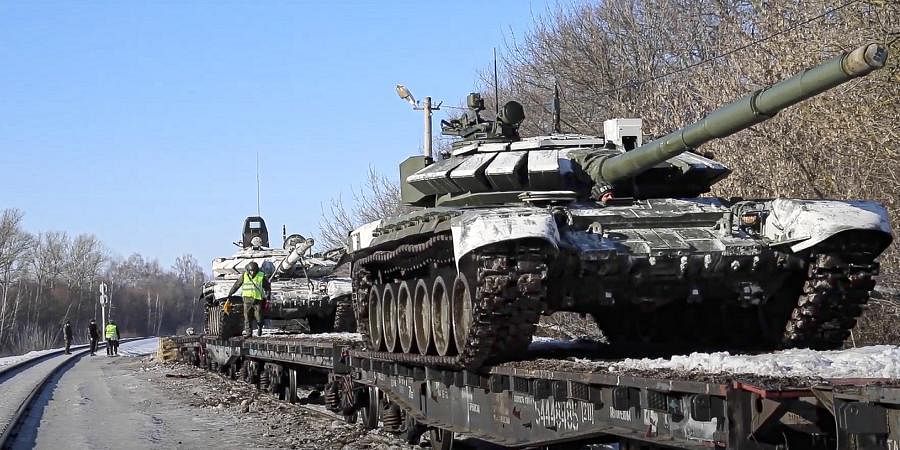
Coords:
pixel 308 294
pixel 506 228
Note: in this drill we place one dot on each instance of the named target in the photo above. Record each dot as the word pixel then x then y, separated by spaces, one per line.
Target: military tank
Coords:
pixel 308 294
pixel 507 228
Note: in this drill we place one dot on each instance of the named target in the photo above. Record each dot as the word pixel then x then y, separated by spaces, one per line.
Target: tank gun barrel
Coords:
pixel 293 258
pixel 752 109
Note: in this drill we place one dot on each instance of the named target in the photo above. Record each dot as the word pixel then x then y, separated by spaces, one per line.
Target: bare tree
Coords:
pixel 14 244
pixel 672 61
pixel 379 197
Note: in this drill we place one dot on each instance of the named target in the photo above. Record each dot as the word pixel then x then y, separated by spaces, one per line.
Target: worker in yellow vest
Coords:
pixel 112 338
pixel 254 288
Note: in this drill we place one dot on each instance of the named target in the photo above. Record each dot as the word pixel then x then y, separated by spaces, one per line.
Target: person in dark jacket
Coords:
pixel 94 335
pixel 67 335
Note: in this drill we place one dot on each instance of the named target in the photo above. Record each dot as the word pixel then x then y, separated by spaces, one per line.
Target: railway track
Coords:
pixel 22 383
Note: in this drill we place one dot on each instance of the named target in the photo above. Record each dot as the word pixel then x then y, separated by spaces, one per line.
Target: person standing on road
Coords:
pixel 112 338
pixel 253 285
pixel 94 335
pixel 67 335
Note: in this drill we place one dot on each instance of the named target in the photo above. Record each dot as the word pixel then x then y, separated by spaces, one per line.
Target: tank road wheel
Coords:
pixel 405 317
pixel 461 301
pixel 440 439
pixel 441 325
pixel 376 315
pixel 389 318
pixel 422 316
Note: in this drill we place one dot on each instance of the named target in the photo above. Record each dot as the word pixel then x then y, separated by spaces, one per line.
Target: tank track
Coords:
pixel 508 297
pixel 223 325
pixel 343 315
pixel 836 288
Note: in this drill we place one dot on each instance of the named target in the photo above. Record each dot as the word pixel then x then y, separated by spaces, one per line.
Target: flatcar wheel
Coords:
pixel 290 387
pixel 389 317
pixel 369 412
pixel 405 318
pixel 422 316
pixel 413 430
pixel 348 399
pixel 440 316
pixel 440 439
pixel 461 300
pixel 376 315
pixel 245 371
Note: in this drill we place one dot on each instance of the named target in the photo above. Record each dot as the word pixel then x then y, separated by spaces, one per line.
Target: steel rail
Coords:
pixel 7 438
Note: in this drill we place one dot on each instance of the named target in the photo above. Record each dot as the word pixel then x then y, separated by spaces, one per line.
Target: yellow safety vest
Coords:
pixel 112 331
pixel 253 287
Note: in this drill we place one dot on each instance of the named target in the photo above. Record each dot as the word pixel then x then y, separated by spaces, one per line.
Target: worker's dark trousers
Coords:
pixel 252 314
pixel 68 344
pixel 109 347
pixel 93 346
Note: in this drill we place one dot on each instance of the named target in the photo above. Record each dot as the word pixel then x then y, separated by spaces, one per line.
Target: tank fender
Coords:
pixel 477 228
pixel 338 288
pixel 363 236
pixel 805 223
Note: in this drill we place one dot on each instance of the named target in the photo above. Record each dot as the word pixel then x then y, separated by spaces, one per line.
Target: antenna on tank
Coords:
pixel 496 88
pixel 257 183
pixel 556 108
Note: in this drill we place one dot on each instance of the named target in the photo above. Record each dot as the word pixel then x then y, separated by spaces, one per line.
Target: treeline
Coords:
pixel 49 277
pixel 670 62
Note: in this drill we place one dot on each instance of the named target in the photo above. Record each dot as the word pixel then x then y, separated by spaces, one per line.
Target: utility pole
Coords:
pixel 428 108
pixel 105 306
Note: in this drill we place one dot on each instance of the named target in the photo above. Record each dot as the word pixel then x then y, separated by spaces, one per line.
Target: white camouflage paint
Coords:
pixel 337 288
pixel 813 221
pixel 477 228
pixel 362 237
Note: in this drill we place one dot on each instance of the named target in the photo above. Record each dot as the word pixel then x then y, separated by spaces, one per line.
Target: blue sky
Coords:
pixel 140 121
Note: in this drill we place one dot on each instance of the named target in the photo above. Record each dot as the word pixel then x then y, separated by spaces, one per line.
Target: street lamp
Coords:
pixel 404 94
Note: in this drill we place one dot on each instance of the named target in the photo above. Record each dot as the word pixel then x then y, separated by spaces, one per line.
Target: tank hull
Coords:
pixel 667 274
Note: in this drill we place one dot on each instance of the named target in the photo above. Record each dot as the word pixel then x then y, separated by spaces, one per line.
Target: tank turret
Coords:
pixel 493 165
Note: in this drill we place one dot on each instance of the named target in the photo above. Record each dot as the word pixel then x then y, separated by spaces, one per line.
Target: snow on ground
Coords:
pixel 542 343
pixel 9 360
pixel 879 361
pixel 140 347
pixel 352 337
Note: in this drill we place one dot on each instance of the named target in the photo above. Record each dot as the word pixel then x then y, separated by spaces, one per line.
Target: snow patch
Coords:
pixel 543 343
pixel 10 360
pixel 353 337
pixel 140 347
pixel 878 361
